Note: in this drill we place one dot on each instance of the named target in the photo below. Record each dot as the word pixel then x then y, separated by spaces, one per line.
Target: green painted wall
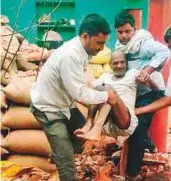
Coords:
pixel 65 11
pixel 10 8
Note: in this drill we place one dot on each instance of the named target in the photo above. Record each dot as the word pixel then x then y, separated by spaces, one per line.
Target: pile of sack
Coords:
pixel 25 142
pixel 16 53
pixel 100 63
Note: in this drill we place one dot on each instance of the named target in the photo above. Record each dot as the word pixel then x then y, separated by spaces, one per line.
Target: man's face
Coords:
pixel 118 65
pixel 94 44
pixel 125 33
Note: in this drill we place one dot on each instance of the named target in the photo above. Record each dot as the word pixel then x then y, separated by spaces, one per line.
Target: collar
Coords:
pixel 81 48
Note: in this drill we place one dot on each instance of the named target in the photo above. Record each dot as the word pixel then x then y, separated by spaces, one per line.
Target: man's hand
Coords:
pixel 143 77
pixel 112 97
pixel 137 111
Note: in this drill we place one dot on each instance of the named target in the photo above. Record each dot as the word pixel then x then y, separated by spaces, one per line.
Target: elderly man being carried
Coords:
pixel 118 118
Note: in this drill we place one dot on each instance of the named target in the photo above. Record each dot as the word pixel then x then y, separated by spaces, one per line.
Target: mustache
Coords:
pixel 123 69
pixel 124 40
pixel 119 71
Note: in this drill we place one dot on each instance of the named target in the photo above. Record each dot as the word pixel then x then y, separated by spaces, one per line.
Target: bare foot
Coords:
pixel 84 129
pixel 93 135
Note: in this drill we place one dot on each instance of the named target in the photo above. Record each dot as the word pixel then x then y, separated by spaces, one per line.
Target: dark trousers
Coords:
pixel 62 141
pixel 137 141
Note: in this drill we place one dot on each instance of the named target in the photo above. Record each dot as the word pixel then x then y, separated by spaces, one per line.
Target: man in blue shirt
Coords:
pixel 148 55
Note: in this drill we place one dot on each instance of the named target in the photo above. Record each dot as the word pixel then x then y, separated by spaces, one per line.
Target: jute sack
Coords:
pixel 1 138
pixel 2 127
pixel 5 77
pixel 30 74
pixel 9 63
pixel 35 161
pixel 107 68
pixel 27 142
pixel 2 150
pixel 24 65
pixel 18 90
pixel 20 118
pixel 10 66
pixel 96 69
pixel 34 55
pixel 3 103
pixel 102 57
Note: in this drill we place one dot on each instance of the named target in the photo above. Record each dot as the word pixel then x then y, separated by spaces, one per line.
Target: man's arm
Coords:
pixel 72 74
pixel 149 69
pixel 155 106
pixel 155 81
pixel 152 84
pixel 158 104
pixel 92 113
pixel 147 82
pixel 159 55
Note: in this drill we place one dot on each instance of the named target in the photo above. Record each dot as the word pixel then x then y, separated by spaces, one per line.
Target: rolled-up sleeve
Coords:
pixel 159 53
pixel 72 74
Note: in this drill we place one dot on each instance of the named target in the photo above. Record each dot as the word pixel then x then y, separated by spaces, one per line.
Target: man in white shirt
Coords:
pixel 60 83
pixel 122 120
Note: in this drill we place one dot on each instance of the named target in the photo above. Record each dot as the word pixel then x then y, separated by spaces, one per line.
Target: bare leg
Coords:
pixel 119 110
pixel 95 132
pixel 84 129
pixel 90 120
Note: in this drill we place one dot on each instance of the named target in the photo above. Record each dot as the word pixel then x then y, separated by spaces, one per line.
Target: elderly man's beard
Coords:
pixel 119 73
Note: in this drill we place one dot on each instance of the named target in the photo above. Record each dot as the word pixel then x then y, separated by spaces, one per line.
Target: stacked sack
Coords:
pixel 100 63
pixel 26 142
pixel 4 130
pixel 16 53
